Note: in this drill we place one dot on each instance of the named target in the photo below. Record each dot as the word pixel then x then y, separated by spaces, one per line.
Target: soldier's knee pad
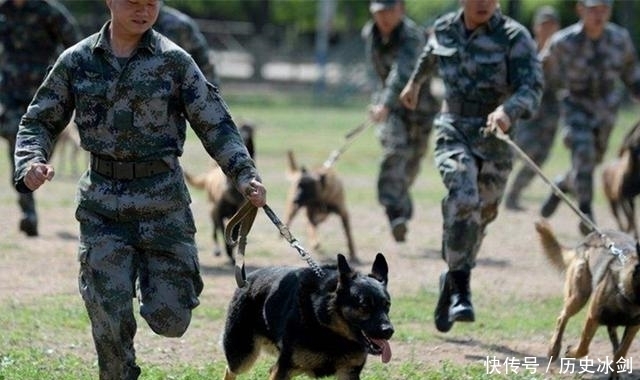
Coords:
pixel 168 322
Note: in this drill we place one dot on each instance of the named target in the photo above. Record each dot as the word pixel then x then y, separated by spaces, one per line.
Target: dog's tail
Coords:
pixel 197 181
pixel 558 255
pixel 292 166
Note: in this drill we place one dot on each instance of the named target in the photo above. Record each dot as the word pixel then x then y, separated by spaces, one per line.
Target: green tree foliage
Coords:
pixel 299 16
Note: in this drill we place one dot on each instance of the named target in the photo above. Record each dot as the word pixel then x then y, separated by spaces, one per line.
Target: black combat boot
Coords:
pixel 461 309
pixel 398 224
pixel 441 315
pixel 29 222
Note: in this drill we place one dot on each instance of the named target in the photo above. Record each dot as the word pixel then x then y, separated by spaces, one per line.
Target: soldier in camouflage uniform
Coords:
pixel 184 31
pixel 131 89
pixel 588 58
pixel 32 33
pixel 535 136
pixel 492 78
pixel 393 43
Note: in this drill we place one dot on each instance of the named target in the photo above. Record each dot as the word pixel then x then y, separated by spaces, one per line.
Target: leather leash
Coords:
pixel 349 138
pixel 496 131
pixel 243 220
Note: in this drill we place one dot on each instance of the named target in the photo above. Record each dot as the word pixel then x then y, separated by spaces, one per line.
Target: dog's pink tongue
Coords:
pixel 386 349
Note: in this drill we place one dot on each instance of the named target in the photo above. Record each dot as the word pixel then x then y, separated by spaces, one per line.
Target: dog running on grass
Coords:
pixel 318 326
pixel 320 192
pixel 223 195
pixel 611 282
pixel 621 182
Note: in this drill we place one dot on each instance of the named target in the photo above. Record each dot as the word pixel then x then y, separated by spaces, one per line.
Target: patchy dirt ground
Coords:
pixel 510 264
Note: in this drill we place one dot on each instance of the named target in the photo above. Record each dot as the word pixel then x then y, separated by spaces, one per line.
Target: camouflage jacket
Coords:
pixel 393 63
pixel 590 69
pixel 131 111
pixel 183 30
pixel 31 37
pixel 495 64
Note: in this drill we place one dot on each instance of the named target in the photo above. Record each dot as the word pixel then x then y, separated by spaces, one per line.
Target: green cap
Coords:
pixel 379 5
pixel 594 3
pixel 544 14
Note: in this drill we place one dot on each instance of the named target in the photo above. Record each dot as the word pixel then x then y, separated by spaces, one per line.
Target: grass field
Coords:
pixel 45 330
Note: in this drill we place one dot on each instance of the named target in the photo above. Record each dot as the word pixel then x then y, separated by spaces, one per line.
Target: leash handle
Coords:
pixel 241 222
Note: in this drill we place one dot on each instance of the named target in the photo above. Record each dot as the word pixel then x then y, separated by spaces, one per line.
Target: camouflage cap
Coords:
pixel 379 5
pixel 594 3
pixel 544 14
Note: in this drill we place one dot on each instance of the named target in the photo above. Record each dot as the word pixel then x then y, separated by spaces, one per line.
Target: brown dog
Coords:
pixel 621 182
pixel 608 276
pixel 224 197
pixel 320 191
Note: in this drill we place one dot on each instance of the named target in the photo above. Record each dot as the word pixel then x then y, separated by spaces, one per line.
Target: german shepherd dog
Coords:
pixel 318 326
pixel 621 182
pixel 223 195
pixel 321 192
pixel 609 278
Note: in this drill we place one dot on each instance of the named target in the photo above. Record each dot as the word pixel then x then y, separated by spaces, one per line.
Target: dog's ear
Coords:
pixel 292 167
pixel 380 269
pixel 638 250
pixel 247 137
pixel 346 273
pixel 323 179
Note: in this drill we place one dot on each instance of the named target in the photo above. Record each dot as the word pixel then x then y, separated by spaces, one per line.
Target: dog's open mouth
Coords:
pixel 379 347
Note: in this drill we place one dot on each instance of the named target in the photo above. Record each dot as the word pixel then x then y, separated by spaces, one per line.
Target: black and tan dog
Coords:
pixel 621 181
pixel 223 195
pixel 320 192
pixel 318 326
pixel 608 277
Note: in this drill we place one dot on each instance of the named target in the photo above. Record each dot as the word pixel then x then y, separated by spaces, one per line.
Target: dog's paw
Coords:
pixel 571 352
pixel 553 352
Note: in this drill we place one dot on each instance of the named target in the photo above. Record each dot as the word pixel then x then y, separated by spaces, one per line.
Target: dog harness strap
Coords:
pixel 240 225
pixel 128 169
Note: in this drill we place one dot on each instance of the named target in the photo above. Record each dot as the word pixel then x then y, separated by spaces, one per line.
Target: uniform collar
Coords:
pixel 147 42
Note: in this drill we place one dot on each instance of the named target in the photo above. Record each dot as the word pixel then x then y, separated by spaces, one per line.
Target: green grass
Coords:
pixel 29 345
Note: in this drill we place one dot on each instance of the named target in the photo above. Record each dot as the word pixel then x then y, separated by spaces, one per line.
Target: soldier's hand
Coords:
pixel 378 113
pixel 409 95
pixel 255 192
pixel 500 119
pixel 37 175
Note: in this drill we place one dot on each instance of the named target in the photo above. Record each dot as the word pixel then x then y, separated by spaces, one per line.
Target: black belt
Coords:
pixel 128 169
pixel 468 109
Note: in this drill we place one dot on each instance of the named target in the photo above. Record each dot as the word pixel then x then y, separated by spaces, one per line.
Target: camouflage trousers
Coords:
pixel 404 144
pixel 159 253
pixel 588 147
pixel 9 122
pixel 474 169
pixel 535 137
